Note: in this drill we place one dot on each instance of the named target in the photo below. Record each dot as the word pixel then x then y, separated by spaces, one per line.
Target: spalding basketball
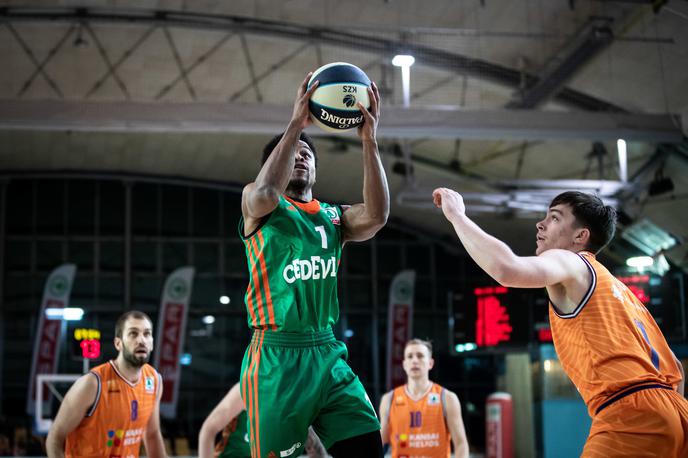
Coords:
pixel 333 104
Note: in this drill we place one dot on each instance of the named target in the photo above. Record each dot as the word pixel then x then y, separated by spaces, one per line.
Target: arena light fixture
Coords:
pixel 623 159
pixel 649 238
pixel 224 300
pixel 208 319
pixel 404 61
pixel 67 313
pixel 640 262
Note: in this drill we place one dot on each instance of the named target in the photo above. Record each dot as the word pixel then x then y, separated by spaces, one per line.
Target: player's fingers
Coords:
pixel 312 89
pixel 376 91
pixel 304 84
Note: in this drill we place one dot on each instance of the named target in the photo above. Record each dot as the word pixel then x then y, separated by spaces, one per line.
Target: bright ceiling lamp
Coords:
pixel 404 61
pixel 639 262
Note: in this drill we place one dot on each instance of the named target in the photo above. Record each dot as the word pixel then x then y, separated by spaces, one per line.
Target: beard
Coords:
pixel 133 360
pixel 298 185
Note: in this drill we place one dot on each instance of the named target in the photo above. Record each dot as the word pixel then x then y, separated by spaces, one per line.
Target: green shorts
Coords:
pixel 290 381
pixel 235 439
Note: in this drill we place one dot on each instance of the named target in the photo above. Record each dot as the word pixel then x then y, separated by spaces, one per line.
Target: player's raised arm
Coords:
pixel 551 267
pixel 229 407
pixel 455 425
pixel 262 196
pixel 76 403
pixel 362 221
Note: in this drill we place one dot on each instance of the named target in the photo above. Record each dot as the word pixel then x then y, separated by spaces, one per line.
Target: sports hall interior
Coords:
pixel 129 128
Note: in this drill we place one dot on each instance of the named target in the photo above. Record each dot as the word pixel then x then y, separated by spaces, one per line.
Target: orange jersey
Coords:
pixel 417 429
pixel 610 345
pixel 115 424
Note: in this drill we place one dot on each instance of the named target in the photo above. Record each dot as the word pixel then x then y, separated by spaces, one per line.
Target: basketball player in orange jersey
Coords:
pixel 110 410
pixel 607 341
pixel 419 418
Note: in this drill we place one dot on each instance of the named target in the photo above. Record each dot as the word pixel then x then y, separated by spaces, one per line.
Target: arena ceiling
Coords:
pixel 510 101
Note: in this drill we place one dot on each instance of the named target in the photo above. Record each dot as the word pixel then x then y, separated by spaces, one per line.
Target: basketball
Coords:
pixel 333 104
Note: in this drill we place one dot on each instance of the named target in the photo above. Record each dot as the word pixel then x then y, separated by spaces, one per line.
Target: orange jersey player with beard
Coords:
pixel 115 407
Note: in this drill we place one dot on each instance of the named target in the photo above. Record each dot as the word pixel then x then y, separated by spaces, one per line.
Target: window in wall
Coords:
pixel 358 258
pixel 17 255
pixel 144 205
pixel 110 289
pixel 206 216
pixel 81 207
pixel 173 255
pixel 50 209
pixel 235 290
pixel 111 256
pixel 232 213
pixel 83 289
pixel 206 257
pixel 19 289
pixel 389 258
pixel 48 254
pixel 144 256
pixel 81 253
pixel 358 293
pixel 175 210
pixel 206 292
pixel 418 258
pixel 146 289
pixel 19 200
pixel 235 257
pixel 111 208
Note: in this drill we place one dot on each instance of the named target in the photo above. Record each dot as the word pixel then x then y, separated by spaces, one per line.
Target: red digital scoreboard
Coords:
pixel 497 316
pixel 493 324
pixel 639 285
pixel 86 343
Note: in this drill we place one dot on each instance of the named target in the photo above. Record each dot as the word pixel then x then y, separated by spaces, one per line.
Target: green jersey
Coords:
pixel 293 258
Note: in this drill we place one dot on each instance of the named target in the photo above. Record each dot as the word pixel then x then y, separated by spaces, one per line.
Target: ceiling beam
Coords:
pixel 61 115
pixel 586 44
pixel 425 55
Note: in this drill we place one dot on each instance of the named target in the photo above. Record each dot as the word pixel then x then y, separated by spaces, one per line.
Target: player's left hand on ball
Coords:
pixel 368 130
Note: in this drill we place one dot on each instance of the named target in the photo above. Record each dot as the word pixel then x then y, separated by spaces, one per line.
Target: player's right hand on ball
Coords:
pixel 301 114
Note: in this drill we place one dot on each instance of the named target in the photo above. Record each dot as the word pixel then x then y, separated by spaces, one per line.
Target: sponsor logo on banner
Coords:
pixel 400 319
pixel 46 348
pixel 170 336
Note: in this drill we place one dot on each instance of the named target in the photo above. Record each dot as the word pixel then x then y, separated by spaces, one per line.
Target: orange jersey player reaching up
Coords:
pixel 607 341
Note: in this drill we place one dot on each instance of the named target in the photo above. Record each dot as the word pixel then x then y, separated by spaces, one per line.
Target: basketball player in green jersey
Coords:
pixel 294 372
pixel 229 416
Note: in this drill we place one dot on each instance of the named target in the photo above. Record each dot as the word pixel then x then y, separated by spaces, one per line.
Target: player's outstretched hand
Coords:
pixel 368 130
pixel 301 114
pixel 450 202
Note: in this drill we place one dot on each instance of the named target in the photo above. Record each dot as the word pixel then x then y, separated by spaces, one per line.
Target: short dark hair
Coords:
pixel 267 151
pixel 590 212
pixel 136 314
pixel 426 343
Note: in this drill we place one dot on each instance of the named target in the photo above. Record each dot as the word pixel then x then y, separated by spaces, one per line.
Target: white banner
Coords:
pixel 169 340
pixel 399 325
pixel 46 346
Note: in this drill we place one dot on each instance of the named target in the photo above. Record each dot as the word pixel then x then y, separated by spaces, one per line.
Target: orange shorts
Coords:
pixel 648 423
